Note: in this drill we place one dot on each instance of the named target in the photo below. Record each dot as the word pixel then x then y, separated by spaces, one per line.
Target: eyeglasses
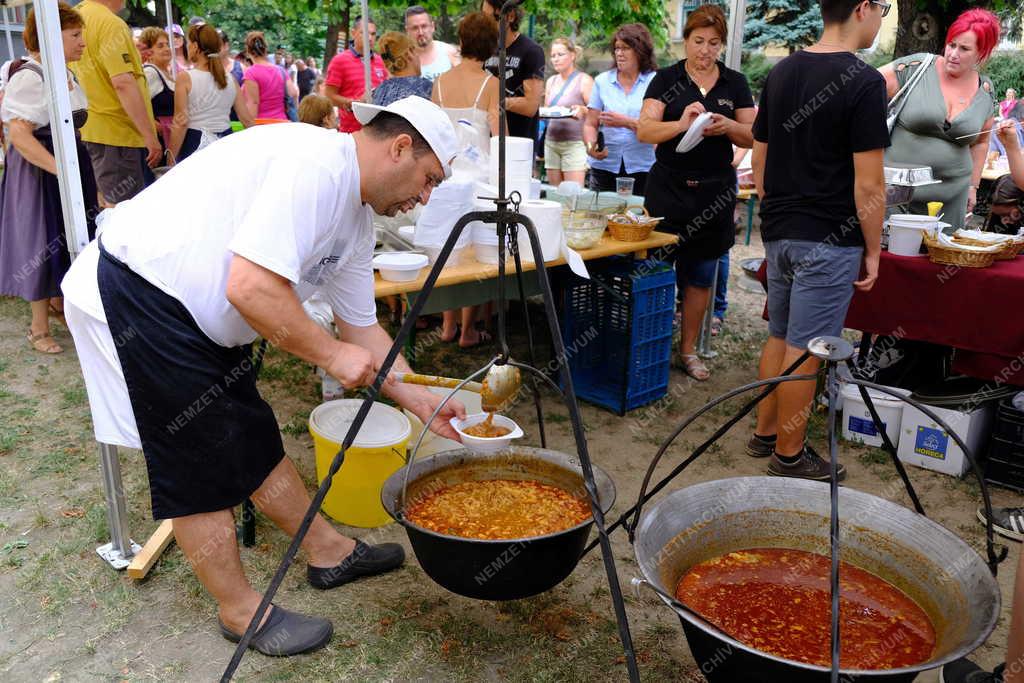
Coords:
pixel 884 5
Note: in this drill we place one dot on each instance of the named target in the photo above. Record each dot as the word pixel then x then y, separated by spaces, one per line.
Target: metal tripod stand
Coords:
pixel 508 222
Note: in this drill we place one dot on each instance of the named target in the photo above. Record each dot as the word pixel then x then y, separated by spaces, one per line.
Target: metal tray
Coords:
pixel 909 175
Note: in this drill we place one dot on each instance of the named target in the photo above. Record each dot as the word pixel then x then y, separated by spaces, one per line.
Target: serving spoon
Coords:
pixel 500 385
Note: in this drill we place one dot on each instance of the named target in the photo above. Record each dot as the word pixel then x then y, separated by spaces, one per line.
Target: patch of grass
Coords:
pixel 57 461
pixel 95 527
pixel 9 495
pixel 73 396
pixel 10 436
pixel 873 456
pixel 556 418
pixel 298 425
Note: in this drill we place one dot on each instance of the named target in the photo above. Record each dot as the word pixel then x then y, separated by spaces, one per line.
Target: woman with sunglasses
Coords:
pixel 945 120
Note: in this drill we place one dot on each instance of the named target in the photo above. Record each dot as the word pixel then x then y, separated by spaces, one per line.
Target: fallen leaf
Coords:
pixel 350 643
pixel 73 512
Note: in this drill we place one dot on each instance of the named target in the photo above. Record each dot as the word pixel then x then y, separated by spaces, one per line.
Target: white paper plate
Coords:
pixel 694 134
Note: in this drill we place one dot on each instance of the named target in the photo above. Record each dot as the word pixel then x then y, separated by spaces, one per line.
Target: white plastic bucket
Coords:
pixel 906 232
pixel 857 423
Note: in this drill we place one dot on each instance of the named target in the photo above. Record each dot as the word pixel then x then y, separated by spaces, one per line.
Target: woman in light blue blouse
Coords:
pixel 614 107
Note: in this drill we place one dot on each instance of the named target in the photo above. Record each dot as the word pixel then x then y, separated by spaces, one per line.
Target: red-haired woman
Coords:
pixel 941 122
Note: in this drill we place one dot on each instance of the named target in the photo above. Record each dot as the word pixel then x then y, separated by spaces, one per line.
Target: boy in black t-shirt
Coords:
pixel 524 73
pixel 819 137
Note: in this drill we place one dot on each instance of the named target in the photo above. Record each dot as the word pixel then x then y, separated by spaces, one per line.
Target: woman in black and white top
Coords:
pixel 159 79
pixel 33 250
pixel 203 97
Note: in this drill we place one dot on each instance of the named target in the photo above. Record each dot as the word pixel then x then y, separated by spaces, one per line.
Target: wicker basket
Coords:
pixel 624 231
pixel 941 254
pixel 1011 247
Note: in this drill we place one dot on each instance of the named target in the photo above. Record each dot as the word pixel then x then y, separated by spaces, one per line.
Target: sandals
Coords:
pixel 716 326
pixel 44 343
pixel 484 337
pixel 57 313
pixel 694 367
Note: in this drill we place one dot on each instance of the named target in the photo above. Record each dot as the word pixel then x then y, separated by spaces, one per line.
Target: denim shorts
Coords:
pixel 692 272
pixel 810 285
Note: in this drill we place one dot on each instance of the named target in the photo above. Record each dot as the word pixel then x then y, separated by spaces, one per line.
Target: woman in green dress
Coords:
pixel 945 120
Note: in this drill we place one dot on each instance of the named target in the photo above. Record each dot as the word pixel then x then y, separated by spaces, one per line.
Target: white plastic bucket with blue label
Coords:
pixel 857 423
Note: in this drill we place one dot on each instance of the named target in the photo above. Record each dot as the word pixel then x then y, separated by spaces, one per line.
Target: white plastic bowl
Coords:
pixel 399 267
pixel 480 444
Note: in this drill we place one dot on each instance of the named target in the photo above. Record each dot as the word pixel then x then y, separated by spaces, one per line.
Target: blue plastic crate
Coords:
pixel 619 347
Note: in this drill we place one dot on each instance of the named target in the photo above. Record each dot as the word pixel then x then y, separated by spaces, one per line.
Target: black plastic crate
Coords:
pixel 1009 423
pixel 617 329
pixel 1005 466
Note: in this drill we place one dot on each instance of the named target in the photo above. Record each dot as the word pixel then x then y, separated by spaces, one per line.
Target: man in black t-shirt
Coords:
pixel 524 73
pixel 819 137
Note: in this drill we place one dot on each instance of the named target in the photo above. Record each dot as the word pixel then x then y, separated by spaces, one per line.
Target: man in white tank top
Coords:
pixel 436 57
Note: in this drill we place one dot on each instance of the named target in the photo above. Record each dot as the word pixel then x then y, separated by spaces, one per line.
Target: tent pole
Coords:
pixel 170 38
pixel 65 150
pixel 7 32
pixel 737 17
pixel 367 51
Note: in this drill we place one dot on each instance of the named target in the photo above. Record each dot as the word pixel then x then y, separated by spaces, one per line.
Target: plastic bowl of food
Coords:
pixel 399 267
pixel 486 444
pixel 584 229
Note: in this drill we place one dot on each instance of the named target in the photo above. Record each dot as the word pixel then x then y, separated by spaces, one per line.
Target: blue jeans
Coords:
pixel 722 286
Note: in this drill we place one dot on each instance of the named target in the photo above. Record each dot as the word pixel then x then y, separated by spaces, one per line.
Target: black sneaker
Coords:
pixel 761 446
pixel 365 560
pixel 965 671
pixel 1007 522
pixel 809 466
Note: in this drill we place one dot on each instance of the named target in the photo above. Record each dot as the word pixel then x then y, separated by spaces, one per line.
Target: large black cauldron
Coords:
pixel 505 569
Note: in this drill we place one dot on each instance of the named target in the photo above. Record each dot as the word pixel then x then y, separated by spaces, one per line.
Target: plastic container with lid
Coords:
pixel 378 451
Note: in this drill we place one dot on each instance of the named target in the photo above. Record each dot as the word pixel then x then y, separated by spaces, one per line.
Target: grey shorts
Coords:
pixel 119 171
pixel 810 285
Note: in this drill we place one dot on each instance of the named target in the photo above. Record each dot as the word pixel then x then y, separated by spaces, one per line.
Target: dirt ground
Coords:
pixel 65 615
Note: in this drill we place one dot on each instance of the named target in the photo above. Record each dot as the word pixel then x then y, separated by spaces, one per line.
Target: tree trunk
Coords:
pixel 444 25
pixel 331 46
pixel 334 30
pixel 140 16
pixel 923 25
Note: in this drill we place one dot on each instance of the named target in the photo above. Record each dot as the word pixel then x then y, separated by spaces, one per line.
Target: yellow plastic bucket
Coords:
pixel 378 451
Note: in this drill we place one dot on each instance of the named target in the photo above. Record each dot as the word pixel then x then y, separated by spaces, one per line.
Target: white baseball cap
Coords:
pixel 426 117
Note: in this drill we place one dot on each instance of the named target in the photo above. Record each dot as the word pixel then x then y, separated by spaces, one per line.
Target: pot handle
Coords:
pixel 637 582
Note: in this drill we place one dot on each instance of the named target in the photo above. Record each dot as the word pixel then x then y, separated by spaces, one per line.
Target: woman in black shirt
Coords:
pixel 696 191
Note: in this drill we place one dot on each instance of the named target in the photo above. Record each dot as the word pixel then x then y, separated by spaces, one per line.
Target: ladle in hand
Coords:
pixel 500 385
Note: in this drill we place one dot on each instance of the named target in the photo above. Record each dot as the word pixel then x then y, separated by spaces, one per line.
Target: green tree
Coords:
pixel 791 24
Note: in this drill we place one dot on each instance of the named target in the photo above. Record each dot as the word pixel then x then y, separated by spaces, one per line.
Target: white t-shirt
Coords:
pixel 284 196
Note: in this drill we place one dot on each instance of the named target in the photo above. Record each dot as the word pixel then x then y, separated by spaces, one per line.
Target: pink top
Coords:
pixel 271 84
pixel 345 72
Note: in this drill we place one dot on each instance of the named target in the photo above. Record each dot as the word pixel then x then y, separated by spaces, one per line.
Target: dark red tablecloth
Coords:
pixel 978 311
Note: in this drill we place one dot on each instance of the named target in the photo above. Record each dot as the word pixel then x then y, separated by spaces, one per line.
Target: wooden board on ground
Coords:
pixel 155 546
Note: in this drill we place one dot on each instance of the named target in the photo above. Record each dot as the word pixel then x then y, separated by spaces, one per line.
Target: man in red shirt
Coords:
pixel 346 81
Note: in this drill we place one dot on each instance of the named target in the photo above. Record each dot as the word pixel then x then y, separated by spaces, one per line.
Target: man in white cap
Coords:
pixel 165 304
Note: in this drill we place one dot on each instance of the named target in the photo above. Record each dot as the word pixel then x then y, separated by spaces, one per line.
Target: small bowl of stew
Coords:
pixel 486 432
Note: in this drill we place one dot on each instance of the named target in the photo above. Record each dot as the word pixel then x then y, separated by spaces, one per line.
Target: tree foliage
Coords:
pixel 791 24
pixel 301 25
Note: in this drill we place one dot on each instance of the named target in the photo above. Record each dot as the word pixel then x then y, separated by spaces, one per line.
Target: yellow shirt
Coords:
pixel 109 51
